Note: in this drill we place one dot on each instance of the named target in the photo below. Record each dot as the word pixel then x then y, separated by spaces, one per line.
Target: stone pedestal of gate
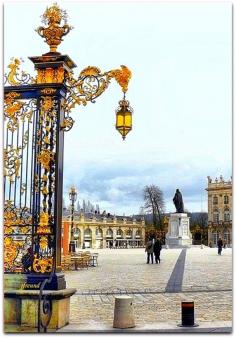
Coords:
pixel 179 234
pixel 21 307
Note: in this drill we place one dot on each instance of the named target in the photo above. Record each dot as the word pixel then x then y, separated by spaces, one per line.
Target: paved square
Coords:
pixel 206 279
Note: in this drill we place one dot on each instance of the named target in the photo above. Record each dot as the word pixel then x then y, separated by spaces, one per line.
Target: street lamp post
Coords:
pixel 73 198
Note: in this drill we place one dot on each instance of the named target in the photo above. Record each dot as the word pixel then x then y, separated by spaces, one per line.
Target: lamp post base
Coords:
pixel 72 246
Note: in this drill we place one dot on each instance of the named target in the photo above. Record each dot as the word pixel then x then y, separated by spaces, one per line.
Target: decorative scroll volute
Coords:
pixel 42 265
pixel 14 77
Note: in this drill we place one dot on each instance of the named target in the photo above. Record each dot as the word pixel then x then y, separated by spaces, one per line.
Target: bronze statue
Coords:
pixel 178 202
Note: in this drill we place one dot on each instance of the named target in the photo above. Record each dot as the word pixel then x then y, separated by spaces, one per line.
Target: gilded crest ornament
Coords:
pixel 53 32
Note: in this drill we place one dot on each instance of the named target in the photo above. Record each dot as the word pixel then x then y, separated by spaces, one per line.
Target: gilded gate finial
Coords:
pixel 53 33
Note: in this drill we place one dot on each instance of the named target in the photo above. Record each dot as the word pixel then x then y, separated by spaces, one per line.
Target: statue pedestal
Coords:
pixel 178 234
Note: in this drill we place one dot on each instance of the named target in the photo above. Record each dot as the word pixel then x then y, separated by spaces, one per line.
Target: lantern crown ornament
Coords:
pixel 53 32
pixel 73 194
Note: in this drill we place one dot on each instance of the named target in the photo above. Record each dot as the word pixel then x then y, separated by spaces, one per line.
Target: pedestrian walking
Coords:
pixel 157 250
pixel 149 250
pixel 219 245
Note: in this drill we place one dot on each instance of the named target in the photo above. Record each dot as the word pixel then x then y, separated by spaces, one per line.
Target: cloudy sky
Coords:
pixel 180 56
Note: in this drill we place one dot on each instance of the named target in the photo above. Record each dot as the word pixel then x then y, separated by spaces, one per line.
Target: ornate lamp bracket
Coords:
pixel 90 84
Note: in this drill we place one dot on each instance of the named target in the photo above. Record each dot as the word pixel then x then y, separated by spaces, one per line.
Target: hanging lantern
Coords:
pixel 124 118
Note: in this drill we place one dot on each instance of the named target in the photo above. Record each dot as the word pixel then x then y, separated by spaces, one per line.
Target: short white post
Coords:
pixel 123 312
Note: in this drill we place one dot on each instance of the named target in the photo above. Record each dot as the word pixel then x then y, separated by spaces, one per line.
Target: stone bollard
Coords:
pixel 123 312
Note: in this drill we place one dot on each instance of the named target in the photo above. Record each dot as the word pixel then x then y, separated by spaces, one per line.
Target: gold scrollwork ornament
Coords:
pixel 42 265
pixel 45 157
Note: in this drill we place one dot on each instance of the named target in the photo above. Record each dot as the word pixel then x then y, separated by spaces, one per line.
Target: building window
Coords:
pixel 87 232
pixel 227 237
pixel 138 234
pixel 129 233
pixel 109 233
pixel 215 200
pixel 216 217
pixel 215 237
pixel 226 199
pixel 119 233
pixel 227 215
pixel 98 233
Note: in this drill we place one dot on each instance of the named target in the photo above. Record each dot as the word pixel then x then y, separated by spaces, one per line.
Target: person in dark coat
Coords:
pixel 157 250
pixel 219 245
pixel 149 250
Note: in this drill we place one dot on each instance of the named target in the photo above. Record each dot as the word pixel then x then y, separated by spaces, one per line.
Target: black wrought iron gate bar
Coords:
pixel 27 179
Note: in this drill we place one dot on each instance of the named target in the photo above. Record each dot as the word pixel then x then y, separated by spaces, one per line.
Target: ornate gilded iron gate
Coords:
pixel 33 148
pixel 36 114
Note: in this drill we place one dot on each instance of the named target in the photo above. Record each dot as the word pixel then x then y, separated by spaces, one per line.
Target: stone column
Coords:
pixel 81 236
pixel 93 237
pixel 104 242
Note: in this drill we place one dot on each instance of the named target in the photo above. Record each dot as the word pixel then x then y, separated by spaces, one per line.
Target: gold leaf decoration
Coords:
pixel 45 157
pixel 121 76
pixel 42 265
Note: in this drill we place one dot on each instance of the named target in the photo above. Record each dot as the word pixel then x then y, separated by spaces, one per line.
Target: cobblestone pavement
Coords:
pixel 207 281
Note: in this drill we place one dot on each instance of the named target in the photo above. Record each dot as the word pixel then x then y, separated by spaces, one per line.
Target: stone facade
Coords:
pixel 219 211
pixel 101 232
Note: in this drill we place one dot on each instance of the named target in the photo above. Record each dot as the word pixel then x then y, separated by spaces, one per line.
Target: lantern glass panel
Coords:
pixel 119 120
pixel 128 119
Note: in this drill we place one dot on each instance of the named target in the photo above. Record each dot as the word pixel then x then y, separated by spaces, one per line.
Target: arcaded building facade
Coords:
pixel 219 211
pixel 96 231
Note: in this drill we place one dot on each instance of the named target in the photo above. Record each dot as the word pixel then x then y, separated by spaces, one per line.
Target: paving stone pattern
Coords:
pixel 206 280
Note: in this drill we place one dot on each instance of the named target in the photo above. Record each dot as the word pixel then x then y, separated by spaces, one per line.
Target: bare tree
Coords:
pixel 154 203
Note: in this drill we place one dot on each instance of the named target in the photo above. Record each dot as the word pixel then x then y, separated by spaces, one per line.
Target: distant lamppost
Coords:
pixel 73 198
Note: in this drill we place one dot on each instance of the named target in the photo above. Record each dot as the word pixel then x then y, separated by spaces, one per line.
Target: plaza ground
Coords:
pixel 206 279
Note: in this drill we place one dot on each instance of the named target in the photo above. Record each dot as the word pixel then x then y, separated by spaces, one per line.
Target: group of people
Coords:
pixel 153 247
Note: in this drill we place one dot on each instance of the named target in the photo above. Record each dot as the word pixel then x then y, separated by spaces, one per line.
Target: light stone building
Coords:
pixel 219 211
pixel 98 231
